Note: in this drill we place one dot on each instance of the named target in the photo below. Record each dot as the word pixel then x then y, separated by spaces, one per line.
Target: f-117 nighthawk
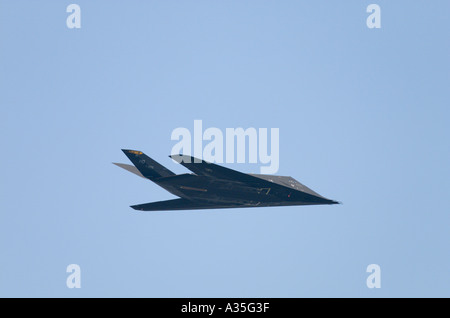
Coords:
pixel 211 186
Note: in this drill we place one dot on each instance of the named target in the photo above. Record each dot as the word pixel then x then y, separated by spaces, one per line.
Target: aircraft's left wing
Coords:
pixel 181 204
pixel 184 204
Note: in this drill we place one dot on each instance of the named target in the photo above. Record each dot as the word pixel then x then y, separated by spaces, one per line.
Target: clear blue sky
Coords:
pixel 363 117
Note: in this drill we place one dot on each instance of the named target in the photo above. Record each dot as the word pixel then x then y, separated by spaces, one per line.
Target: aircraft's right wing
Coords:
pixel 181 204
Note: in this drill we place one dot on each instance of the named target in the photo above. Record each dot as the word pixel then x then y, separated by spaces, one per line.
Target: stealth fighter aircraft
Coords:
pixel 211 186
